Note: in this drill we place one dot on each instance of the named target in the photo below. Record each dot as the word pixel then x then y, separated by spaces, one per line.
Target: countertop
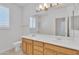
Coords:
pixel 56 40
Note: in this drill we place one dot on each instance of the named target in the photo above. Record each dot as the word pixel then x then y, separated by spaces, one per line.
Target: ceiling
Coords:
pixel 26 4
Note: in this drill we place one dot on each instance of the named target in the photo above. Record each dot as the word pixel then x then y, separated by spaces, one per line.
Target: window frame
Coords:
pixel 6 27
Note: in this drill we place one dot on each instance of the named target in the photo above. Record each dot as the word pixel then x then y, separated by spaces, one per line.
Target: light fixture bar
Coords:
pixel 46 6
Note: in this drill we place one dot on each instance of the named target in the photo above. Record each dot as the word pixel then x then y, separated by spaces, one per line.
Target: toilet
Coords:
pixel 17 46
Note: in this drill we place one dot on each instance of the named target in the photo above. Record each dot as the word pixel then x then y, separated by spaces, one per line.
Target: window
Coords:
pixel 4 17
pixel 32 23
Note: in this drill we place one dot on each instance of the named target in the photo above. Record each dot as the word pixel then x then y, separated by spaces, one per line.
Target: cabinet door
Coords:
pixel 24 46
pixel 38 48
pixel 29 46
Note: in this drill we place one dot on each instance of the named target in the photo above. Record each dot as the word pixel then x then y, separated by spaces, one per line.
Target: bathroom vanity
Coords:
pixel 49 45
pixel 63 25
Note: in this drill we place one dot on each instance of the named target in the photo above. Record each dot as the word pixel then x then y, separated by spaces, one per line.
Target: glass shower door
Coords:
pixel 75 22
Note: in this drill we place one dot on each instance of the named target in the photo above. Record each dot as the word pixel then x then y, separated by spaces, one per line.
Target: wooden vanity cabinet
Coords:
pixel 33 47
pixel 27 46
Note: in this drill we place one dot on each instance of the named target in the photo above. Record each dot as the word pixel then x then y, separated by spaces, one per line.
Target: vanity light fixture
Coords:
pixel 46 6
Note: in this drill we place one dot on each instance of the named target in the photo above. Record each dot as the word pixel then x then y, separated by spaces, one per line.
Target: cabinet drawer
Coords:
pixel 60 49
pixel 38 43
pixel 27 40
pixel 38 48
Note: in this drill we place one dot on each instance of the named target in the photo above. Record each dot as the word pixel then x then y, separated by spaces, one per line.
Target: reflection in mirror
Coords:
pixel 68 31
pixel 60 26
pixel 32 24
pixel 74 23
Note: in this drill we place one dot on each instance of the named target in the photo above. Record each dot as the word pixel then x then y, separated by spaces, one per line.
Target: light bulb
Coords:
pixel 40 6
pixel 45 5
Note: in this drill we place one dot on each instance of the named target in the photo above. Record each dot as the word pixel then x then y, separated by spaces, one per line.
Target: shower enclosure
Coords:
pixel 75 21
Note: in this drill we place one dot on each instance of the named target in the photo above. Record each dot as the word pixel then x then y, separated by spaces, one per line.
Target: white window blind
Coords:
pixel 4 17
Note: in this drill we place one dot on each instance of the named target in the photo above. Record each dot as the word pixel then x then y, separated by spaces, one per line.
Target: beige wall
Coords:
pixel 9 36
